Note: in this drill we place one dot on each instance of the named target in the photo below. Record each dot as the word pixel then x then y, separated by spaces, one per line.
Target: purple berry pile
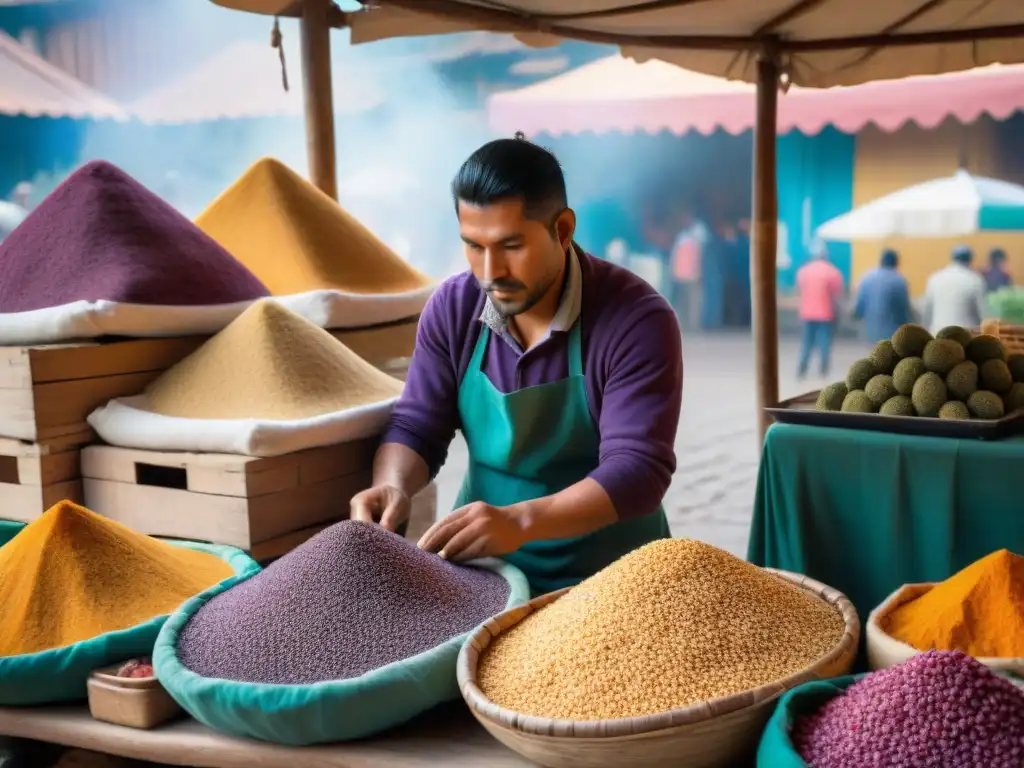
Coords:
pixel 353 598
pixel 940 709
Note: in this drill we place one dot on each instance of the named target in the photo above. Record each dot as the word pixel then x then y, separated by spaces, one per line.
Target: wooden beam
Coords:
pixel 764 239
pixel 319 94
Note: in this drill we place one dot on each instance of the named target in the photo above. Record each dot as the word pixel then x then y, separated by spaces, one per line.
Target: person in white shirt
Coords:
pixel 955 295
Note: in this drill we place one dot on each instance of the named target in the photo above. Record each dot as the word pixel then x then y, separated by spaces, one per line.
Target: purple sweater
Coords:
pixel 632 362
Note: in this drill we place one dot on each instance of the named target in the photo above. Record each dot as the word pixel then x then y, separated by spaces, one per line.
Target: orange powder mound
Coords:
pixel 269 364
pixel 979 611
pixel 72 575
pixel 294 238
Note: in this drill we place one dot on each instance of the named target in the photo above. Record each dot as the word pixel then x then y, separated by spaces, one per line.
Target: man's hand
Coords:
pixel 383 504
pixel 476 530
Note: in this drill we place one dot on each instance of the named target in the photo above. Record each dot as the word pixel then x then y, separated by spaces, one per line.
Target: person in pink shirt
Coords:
pixel 819 286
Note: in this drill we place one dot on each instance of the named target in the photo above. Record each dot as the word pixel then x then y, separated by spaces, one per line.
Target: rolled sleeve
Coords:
pixel 426 415
pixel 641 404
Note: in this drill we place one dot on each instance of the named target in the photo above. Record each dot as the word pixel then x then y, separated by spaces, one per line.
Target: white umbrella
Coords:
pixel 952 206
pixel 11 216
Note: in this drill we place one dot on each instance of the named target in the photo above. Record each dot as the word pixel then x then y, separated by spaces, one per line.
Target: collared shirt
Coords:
pixel 565 316
pixel 955 295
pixel 883 301
pixel 632 366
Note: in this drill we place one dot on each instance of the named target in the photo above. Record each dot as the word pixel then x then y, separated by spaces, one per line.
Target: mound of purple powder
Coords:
pixel 353 598
pixel 102 235
pixel 940 709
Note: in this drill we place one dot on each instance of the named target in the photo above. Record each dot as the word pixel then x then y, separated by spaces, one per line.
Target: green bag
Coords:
pixel 8 530
pixel 776 749
pixel 336 710
pixel 60 674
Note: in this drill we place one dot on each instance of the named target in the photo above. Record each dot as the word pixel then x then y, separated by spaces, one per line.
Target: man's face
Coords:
pixel 515 259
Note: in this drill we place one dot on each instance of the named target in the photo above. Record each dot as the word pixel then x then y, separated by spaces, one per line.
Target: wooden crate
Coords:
pixel 264 506
pixel 35 476
pixel 48 391
pixel 1011 335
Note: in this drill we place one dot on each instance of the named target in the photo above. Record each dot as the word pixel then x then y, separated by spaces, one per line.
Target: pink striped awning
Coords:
pixel 616 94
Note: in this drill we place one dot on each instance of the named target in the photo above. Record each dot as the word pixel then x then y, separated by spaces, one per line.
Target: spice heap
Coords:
pixel 72 575
pixel 352 599
pixel 269 364
pixel 937 709
pixel 296 239
pixel 979 611
pixel 102 235
pixel 673 623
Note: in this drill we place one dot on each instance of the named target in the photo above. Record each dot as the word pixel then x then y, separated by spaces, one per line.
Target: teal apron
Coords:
pixel 533 443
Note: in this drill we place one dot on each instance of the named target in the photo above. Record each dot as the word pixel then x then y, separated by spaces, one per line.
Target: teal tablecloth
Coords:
pixel 866 512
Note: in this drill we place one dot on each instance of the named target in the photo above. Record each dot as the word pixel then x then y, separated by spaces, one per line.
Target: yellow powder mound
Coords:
pixel 269 364
pixel 979 611
pixel 294 238
pixel 73 575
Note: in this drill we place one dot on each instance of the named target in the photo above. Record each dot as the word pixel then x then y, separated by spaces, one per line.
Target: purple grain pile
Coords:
pixel 351 599
pixel 102 235
pixel 940 709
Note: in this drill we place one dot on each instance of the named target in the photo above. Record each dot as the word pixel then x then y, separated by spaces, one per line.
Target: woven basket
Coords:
pixel 1011 335
pixel 885 651
pixel 715 733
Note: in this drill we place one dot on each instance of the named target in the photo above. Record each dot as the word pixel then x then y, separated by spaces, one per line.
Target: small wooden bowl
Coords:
pixel 135 702
pixel 886 651
pixel 706 735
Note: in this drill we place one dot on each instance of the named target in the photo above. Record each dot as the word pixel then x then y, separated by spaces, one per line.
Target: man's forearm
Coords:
pixel 400 467
pixel 580 509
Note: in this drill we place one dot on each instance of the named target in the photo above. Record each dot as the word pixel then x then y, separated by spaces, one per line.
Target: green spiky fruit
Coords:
pixel 986 405
pixel 907 371
pixel 1014 399
pixel 831 397
pixel 985 347
pixel 879 389
pixel 883 357
pixel 929 394
pixel 859 374
pixel 995 376
pixel 898 405
pixel 955 410
pixel 962 381
pixel 910 339
pixel 955 333
pixel 858 402
pixel 942 355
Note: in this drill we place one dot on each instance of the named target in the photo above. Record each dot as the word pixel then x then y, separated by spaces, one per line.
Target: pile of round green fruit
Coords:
pixel 953 375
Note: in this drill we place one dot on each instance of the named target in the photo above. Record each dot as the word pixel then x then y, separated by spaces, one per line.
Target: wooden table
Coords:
pixel 447 736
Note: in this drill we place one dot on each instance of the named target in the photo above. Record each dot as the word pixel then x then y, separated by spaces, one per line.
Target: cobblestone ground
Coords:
pixel 712 492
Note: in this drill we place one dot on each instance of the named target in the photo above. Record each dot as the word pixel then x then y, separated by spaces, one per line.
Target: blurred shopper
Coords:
pixel 955 295
pixel 686 258
pixel 996 276
pixel 883 299
pixel 820 287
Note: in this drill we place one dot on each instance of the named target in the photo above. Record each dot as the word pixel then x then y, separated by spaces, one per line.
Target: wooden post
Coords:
pixel 764 239
pixel 319 95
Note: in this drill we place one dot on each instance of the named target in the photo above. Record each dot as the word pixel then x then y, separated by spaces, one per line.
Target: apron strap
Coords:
pixel 477 361
pixel 576 349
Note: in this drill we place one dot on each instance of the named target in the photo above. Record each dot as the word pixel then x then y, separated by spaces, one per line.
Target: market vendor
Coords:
pixel 564 373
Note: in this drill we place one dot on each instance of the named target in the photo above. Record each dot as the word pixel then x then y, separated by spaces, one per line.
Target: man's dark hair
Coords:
pixel 890 259
pixel 510 169
pixel 996 256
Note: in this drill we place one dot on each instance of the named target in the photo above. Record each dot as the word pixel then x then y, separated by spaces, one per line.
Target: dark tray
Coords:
pixel 800 410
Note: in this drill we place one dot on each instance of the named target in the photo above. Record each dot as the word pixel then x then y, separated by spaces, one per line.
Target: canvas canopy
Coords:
pixel 821 43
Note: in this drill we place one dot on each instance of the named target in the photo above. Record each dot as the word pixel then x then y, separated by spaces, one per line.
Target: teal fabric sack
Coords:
pixel 8 530
pixel 776 749
pixel 59 675
pixel 338 710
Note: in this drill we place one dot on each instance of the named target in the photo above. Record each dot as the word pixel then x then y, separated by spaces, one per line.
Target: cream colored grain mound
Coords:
pixel 269 364
pixel 674 623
